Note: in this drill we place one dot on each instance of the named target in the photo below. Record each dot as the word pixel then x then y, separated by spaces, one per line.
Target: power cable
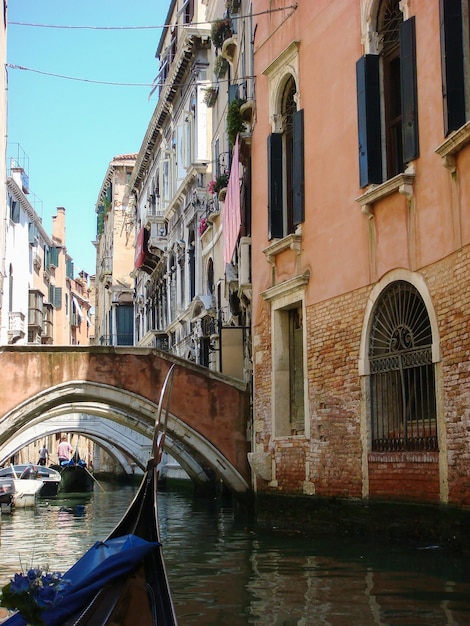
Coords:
pixel 150 27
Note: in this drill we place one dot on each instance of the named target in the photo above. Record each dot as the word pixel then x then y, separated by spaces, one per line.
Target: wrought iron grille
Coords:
pixel 402 384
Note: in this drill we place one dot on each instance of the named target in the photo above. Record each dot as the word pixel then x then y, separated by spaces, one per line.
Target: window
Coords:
pixel 210 277
pixel 286 167
pixel 69 268
pixel 53 258
pixel 288 381
pixel 455 63
pixel 55 296
pixel 14 210
pixel 33 234
pixel 387 98
pixel 124 325
pixel 35 308
pixel 402 379
pixel 47 323
pixel 192 264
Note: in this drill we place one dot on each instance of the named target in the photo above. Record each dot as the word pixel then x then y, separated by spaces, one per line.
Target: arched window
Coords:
pixel 286 166
pixel 402 379
pixel 390 19
pixel 210 277
pixel 387 96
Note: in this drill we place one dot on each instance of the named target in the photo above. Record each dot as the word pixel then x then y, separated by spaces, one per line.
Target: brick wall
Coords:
pixel 449 284
pixel 410 476
pixel 329 463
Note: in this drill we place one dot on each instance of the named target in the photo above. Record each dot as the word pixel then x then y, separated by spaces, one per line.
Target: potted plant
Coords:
pixel 210 96
pixel 220 66
pixel 235 122
pixel 203 226
pixel 218 183
pixel 221 30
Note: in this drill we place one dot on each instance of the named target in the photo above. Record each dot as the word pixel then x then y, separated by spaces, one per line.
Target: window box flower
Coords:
pixel 220 66
pixel 235 122
pixel 218 184
pixel 203 226
pixel 220 31
pixel 210 96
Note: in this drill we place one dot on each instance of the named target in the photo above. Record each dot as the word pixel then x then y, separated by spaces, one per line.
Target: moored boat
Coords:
pixel 26 492
pixel 49 478
pixel 7 491
pixel 75 477
pixel 122 580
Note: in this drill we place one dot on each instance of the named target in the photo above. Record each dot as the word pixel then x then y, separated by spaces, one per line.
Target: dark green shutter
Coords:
pixel 298 168
pixel 368 120
pixel 452 65
pixel 69 268
pixel 275 221
pixel 125 325
pixel 15 211
pixel 409 91
pixel 55 296
pixel 54 257
pixel 232 92
pixel 33 233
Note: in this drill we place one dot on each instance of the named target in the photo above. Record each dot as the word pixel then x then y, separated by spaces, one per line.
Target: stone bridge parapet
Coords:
pixel 37 381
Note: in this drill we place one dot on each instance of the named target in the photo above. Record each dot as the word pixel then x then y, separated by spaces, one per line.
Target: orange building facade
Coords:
pixel 360 250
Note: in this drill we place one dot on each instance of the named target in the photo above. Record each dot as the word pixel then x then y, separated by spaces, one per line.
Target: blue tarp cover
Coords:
pixel 102 563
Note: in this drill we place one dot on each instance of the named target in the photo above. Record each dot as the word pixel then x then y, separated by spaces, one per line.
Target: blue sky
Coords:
pixel 70 130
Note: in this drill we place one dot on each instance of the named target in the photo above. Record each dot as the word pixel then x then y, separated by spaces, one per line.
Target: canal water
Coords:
pixel 224 572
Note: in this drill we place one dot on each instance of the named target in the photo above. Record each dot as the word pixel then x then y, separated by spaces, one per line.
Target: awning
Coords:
pixel 232 220
pixel 143 259
pixel 77 308
pixel 139 256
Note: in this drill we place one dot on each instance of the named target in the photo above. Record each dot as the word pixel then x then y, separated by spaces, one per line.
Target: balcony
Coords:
pixel 47 331
pixel 16 326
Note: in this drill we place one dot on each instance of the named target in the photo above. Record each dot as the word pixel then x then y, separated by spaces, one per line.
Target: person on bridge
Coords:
pixel 64 450
pixel 43 455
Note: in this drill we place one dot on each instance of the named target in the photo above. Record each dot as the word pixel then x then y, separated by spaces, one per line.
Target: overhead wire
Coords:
pixel 153 85
pixel 115 83
pixel 149 27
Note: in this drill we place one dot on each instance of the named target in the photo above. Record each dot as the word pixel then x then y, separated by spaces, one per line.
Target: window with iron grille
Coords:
pixel 402 379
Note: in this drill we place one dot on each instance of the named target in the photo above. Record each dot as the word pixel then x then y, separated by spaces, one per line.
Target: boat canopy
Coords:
pixel 103 563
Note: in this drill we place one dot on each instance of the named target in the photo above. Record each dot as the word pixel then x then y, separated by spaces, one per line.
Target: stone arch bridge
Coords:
pixel 111 395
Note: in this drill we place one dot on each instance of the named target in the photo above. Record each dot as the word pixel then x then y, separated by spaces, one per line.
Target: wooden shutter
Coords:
pixel 69 268
pixel 452 65
pixel 368 119
pixel 275 221
pixel 54 257
pixel 55 296
pixel 409 91
pixel 298 168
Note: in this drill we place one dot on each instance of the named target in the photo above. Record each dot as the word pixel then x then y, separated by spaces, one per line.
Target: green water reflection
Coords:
pixel 225 573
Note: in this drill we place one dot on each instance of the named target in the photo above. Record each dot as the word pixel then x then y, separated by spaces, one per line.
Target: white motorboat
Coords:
pixel 49 476
pixel 26 489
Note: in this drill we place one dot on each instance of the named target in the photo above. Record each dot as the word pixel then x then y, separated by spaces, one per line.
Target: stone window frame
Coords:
pixel 283 297
pixel 278 73
pixel 364 371
pixel 402 183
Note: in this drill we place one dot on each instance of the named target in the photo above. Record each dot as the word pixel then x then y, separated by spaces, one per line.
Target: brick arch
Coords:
pixel 209 411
